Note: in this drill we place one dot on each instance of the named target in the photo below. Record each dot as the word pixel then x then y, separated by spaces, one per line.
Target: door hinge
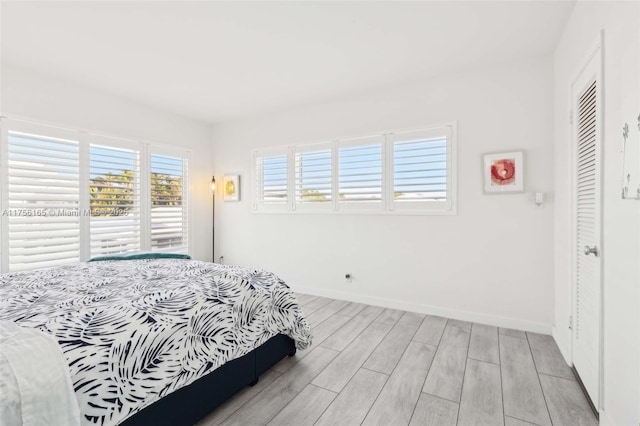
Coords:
pixel 570 116
pixel 570 322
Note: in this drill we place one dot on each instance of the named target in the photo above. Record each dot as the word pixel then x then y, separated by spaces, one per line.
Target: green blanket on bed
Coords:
pixel 147 255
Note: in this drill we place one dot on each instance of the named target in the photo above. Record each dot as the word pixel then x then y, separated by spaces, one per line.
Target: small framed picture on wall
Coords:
pixel 231 188
pixel 503 172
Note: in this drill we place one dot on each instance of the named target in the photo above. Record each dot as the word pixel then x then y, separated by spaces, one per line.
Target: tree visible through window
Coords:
pixel 168 206
pixel 114 200
pixel 113 190
pixel 73 195
pixel 313 175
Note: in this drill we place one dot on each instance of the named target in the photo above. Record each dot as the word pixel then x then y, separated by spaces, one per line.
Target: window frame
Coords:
pixel 261 206
pixel 109 142
pixel 299 205
pixel 31 128
pixel 85 139
pixel 187 190
pixel 388 206
pixel 444 207
pixel 364 206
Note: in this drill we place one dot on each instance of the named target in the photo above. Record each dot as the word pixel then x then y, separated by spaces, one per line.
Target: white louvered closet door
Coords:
pixel 587 195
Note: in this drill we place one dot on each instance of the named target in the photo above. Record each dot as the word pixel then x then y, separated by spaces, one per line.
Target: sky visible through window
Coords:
pixel 163 164
pixel 102 161
pixel 360 173
pixel 53 160
pixel 420 169
pixel 274 175
pixel 41 147
pixel 313 175
pixel 37 150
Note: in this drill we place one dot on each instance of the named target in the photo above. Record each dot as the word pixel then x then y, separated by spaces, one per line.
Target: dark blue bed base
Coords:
pixel 189 404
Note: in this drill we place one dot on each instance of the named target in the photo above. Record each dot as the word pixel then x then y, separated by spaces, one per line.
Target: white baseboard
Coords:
pixel 605 420
pixel 562 345
pixel 477 317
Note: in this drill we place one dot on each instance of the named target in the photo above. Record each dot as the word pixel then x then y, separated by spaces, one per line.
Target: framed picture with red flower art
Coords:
pixel 504 172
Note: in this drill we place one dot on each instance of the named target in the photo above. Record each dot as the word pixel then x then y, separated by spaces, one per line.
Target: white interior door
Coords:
pixel 587 306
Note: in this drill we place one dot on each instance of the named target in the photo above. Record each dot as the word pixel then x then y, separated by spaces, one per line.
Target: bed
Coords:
pixel 161 341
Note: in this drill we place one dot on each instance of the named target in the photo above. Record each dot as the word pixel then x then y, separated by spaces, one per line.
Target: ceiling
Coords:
pixel 219 61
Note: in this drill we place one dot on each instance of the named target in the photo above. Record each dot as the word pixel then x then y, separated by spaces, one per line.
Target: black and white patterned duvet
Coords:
pixel 134 331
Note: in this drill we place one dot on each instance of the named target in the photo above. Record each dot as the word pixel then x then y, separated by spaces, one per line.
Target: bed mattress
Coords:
pixel 134 331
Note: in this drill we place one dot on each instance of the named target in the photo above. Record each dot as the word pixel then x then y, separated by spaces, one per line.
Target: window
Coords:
pixel 272 180
pixel 406 171
pixel 68 195
pixel 421 169
pixel 41 200
pixel 169 213
pixel 313 176
pixel 114 199
pixel 360 178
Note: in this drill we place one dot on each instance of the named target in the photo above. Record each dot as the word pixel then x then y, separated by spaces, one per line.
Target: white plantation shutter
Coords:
pixel 421 169
pixel 313 176
pixel 114 199
pixel 409 171
pixel 169 208
pixel 69 195
pixel 271 180
pixel 42 199
pixel 360 172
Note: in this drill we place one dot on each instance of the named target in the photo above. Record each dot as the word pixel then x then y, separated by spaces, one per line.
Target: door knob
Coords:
pixel 591 250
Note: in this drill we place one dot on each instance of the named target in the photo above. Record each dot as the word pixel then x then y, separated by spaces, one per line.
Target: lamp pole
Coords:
pixel 213 220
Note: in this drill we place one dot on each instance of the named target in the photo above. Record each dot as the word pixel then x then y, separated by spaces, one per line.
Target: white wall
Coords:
pixel 49 100
pixel 493 262
pixel 621 244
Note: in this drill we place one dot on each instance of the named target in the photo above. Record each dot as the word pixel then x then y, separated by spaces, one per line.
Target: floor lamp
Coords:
pixel 213 220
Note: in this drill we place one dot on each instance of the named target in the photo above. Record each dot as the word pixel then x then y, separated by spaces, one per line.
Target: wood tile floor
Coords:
pixel 374 366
